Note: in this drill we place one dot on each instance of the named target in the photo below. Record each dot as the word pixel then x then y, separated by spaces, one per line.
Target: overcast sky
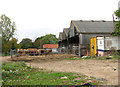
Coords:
pixel 35 18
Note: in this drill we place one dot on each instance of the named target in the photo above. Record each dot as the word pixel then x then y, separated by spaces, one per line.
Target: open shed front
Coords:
pixel 101 46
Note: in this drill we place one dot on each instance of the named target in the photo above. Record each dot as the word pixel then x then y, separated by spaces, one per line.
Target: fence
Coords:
pixel 35 52
pixel 74 50
pixel 13 53
pixel 64 50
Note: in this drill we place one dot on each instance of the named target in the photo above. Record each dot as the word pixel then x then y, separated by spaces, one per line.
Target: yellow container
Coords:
pixel 93 46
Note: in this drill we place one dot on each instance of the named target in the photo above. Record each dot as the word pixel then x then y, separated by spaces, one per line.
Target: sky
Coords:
pixel 35 18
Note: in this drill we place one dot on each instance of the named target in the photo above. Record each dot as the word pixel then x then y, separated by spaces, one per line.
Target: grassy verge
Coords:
pixel 112 57
pixel 20 74
pixel 4 54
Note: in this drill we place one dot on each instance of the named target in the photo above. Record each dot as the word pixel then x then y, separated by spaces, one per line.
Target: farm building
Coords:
pixel 53 47
pixel 76 38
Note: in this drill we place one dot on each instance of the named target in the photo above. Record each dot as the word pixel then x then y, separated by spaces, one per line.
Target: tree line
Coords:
pixel 8 28
pixel 38 43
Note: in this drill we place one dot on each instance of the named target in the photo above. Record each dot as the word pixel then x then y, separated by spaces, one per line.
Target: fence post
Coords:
pixel 11 53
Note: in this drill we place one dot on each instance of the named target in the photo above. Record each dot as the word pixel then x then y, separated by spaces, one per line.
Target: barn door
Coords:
pixel 93 46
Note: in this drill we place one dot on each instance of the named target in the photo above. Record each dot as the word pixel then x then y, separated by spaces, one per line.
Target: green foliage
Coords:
pixel 117 24
pixel 11 44
pixel 38 43
pixel 8 29
pixel 117 29
pixel 13 66
pixel 26 43
pixel 49 39
pixel 19 74
pixel 117 13
pixel 114 56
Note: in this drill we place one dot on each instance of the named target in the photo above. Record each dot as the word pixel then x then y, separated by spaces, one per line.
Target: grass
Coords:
pixel 70 58
pixel 112 57
pixel 4 54
pixel 0 54
pixel 19 74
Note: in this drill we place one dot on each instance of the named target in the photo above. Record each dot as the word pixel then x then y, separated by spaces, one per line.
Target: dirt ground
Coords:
pixel 101 69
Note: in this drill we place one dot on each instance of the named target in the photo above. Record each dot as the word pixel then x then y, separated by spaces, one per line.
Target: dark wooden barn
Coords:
pixel 76 39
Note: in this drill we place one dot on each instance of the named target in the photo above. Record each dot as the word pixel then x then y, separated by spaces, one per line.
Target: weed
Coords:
pixel 19 74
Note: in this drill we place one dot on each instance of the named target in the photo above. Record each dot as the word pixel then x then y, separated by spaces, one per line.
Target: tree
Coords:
pixel 11 44
pixel 117 13
pixel 117 28
pixel 49 39
pixel 38 43
pixel 7 27
pixel 117 24
pixel 14 44
pixel 26 43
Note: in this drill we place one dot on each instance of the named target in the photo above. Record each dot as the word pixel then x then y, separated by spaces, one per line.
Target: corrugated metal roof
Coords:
pixel 50 46
pixel 60 36
pixel 94 26
pixel 66 31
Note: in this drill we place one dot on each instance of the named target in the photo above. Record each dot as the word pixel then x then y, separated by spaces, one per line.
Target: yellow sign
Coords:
pixel 93 46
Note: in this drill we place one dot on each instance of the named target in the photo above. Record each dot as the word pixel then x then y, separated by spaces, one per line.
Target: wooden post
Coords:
pixel 67 46
pixel 79 51
pixel 11 53
pixel 80 42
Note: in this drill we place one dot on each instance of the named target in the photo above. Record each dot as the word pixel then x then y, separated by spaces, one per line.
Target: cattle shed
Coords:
pixel 76 38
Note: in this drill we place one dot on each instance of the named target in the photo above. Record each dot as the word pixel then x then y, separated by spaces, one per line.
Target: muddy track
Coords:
pixel 107 69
